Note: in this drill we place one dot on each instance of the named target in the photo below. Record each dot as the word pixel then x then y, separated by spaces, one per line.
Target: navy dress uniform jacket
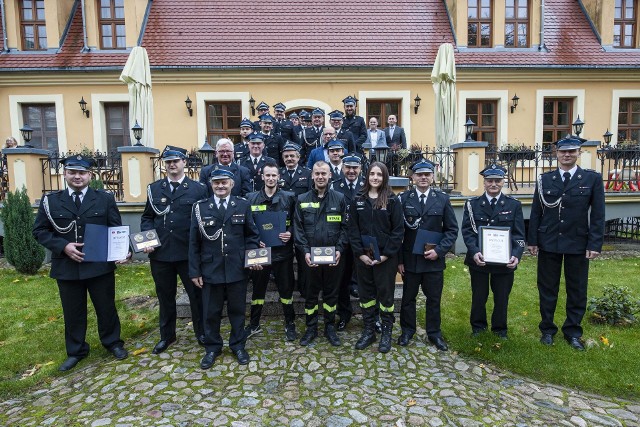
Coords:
pixel 221 260
pixel 576 224
pixel 240 150
pixel 358 128
pixel 508 213
pixel 98 207
pixel 438 216
pixel 299 183
pixel 257 183
pixel 241 179
pixel 342 186
pixel 173 227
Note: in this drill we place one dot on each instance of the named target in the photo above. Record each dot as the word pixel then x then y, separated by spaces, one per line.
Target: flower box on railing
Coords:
pixel 629 152
pixel 509 154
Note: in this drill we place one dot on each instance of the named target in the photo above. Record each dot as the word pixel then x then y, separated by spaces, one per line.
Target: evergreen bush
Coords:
pixel 20 248
pixel 616 306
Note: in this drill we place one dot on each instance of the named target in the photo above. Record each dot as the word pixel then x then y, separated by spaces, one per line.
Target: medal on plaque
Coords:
pixel 323 255
pixel 260 256
pixel 144 239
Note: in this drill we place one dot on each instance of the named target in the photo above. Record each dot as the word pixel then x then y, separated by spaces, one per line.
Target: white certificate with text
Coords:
pixel 118 243
pixel 495 244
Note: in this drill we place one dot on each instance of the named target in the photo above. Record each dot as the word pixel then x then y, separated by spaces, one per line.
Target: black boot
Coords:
pixel 309 335
pixel 367 338
pixel 331 335
pixel 385 339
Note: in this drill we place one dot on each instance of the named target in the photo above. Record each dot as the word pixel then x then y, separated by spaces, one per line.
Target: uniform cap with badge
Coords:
pixel 351 160
pixel 78 163
pixel 422 166
pixel 493 172
pixel 221 173
pixel 349 100
pixel 173 153
pixel 266 118
pixel 336 115
pixel 246 123
pixel 293 116
pixel 318 112
pixel 335 144
pixel 279 107
pixel 290 146
pixel 262 106
pixel 570 142
pixel 256 137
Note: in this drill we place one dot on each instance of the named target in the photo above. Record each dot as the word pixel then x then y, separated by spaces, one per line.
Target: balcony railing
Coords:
pixel 195 162
pixel 620 168
pixel 108 171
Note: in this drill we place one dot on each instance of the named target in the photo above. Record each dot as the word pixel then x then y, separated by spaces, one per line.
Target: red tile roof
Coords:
pixel 360 33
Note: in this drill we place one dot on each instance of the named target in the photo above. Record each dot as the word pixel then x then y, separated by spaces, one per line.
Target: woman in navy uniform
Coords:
pixel 168 211
pixel 376 212
pixel 498 210
pixel 59 227
pixel 566 225
pixel 427 209
pixel 222 228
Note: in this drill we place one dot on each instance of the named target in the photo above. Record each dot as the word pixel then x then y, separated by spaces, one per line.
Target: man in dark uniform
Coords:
pixel 241 149
pixel 349 185
pixel 273 143
pixel 428 209
pixel 168 211
pixel 224 155
pixel 335 150
pixel 294 177
pixel 320 221
pixel 262 108
pixel 492 209
pixel 355 124
pixel 282 126
pixel 312 135
pixel 336 118
pixel 255 161
pixel 60 227
pixel 297 126
pixel 222 228
pixel 566 224
pixel 272 199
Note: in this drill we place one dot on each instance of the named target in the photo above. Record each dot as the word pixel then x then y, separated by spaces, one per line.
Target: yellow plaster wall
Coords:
pixel 601 13
pixel 12 20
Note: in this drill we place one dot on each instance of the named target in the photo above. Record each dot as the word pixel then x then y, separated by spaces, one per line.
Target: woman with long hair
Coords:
pixel 375 230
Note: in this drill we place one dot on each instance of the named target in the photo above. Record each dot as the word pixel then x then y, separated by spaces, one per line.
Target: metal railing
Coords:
pixel 195 162
pixel 620 168
pixel 623 230
pixel 107 172
pixel 443 158
pixel 523 164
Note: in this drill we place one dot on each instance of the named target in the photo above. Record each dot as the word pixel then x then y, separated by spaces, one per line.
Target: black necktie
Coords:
pixel 221 207
pixel 423 198
pixel 174 185
pixel 567 178
pixel 493 203
pixel 291 172
pixel 78 200
pixel 255 162
pixel 336 170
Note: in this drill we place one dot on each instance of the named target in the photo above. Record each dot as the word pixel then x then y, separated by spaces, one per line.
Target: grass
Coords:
pixel 611 369
pixel 32 326
pixel 32 329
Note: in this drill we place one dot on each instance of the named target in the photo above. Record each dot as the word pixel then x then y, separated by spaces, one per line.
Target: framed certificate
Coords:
pixel 144 239
pixel 495 244
pixel 260 256
pixel 323 255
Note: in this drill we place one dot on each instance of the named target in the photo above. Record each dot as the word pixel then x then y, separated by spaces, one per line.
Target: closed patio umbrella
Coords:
pixel 137 75
pixel 443 77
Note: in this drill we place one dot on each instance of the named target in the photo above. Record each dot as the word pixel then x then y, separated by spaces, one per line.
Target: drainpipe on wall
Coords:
pixel 541 25
pixel 5 47
pixel 85 48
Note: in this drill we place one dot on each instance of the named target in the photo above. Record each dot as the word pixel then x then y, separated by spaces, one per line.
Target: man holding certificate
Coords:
pixel 430 230
pixel 222 228
pixel 566 226
pixel 493 231
pixel 60 227
pixel 167 217
pixel 272 210
pixel 320 231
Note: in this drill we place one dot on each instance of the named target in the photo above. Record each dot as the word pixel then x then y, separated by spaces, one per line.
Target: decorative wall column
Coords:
pixel 469 163
pixel 24 168
pixel 137 171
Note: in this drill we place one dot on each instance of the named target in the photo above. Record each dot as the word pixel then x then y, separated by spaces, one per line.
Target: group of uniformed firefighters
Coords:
pixel 371 234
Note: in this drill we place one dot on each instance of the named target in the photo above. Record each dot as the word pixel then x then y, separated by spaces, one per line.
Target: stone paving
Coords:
pixel 289 385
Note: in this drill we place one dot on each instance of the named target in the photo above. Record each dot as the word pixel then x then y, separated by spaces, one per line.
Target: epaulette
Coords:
pixel 202 200
pixel 590 170
pixel 241 198
pixel 54 192
pixel 202 184
pixel 549 172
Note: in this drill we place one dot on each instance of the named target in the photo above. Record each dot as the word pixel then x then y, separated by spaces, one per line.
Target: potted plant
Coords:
pixel 624 150
pixel 510 153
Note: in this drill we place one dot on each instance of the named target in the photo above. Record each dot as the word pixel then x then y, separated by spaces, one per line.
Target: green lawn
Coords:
pixel 613 370
pixel 32 330
pixel 32 327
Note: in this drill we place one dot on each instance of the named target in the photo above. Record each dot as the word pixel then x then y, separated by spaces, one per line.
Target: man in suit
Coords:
pixel 322 151
pixel 241 149
pixel 424 208
pixel 294 177
pixel 224 155
pixel 222 228
pixel 349 185
pixel 566 225
pixel 355 124
pixel 168 212
pixel 255 161
pixel 273 143
pixel 396 140
pixel 60 227
pixel 492 209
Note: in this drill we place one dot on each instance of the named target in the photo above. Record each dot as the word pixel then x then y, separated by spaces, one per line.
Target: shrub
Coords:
pixel 20 248
pixel 96 184
pixel 616 306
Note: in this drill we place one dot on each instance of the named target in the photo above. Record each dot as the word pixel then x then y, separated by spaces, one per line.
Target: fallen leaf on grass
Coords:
pixel 139 351
pixel 30 372
pixel 411 402
pixel 481 365
pixel 15 280
pixel 604 340
pixel 51 318
pixel 497 345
